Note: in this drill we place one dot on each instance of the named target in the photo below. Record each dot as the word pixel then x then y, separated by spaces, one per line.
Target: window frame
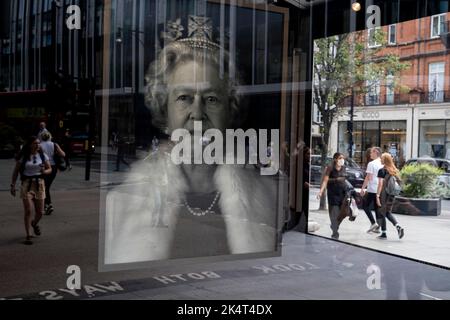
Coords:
pixel 439 17
pixel 374 91
pixel 395 34
pixel 375 45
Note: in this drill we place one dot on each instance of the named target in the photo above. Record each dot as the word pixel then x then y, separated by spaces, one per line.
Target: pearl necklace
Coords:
pixel 202 213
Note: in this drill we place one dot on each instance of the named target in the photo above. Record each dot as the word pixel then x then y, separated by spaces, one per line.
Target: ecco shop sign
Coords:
pixel 370 115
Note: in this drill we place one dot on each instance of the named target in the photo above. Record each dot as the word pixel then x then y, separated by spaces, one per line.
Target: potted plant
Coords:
pixel 421 192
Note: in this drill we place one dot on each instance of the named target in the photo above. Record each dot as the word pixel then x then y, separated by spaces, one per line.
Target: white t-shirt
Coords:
pixel 373 168
pixel 33 165
pixel 49 149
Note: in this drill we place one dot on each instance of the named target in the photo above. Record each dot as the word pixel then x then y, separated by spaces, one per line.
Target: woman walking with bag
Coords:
pixel 334 181
pixel 388 177
pixel 52 150
pixel 32 165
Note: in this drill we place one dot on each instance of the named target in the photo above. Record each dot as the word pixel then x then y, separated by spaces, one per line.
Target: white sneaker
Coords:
pixel 375 228
pixel 313 226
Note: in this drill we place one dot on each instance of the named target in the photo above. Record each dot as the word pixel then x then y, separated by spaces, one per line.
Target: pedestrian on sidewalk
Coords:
pixel 385 197
pixel 32 164
pixel 371 182
pixel 52 150
pixel 155 144
pixel 42 129
pixel 335 182
pixel 66 146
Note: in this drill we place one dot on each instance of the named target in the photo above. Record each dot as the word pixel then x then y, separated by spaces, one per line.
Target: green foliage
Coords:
pixel 420 181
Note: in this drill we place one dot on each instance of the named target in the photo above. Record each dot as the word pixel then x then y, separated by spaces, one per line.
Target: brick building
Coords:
pixel 409 122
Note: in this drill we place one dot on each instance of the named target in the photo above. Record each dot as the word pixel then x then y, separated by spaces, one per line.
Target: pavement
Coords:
pixel 309 267
pixel 426 237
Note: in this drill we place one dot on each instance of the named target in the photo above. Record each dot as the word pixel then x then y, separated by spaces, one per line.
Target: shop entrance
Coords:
pixel 390 136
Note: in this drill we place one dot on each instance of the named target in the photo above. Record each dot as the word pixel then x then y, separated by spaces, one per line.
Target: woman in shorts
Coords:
pixel 32 164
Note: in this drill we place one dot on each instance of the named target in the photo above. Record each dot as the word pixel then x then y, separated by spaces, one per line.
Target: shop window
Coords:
pixel 393 140
pixel 390 136
pixel 432 139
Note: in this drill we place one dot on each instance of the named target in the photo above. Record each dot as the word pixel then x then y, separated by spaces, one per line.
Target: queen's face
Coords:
pixel 196 93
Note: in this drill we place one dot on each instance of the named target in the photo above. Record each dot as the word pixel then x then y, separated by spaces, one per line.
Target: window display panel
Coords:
pixel 203 180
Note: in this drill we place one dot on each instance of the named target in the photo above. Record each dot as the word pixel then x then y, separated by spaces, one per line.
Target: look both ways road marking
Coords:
pixel 161 281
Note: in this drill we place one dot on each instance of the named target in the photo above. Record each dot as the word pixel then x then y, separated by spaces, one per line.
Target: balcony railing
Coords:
pixel 401 98
pixel 435 96
pixel 372 99
pixel 383 99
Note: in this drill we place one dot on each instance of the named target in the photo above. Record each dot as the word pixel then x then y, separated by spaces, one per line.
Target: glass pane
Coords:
pixel 392 34
pixel 370 134
pixel 343 142
pixel 432 138
pixel 442 24
pixel 435 27
pixel 393 140
pixel 207 66
pixel 447 146
pixel 359 150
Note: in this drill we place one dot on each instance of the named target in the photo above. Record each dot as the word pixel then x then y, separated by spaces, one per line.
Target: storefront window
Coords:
pixel 433 139
pixel 390 136
pixel 393 140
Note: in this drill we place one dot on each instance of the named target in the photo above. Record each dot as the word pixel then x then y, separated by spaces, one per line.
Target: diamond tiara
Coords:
pixel 199 33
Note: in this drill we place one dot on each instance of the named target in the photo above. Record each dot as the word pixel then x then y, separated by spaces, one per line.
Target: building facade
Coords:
pixel 47 69
pixel 39 52
pixel 409 120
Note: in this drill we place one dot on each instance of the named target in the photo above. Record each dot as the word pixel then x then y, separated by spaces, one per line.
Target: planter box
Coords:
pixel 417 207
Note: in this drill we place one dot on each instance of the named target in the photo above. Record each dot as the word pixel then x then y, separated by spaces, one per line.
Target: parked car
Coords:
pixel 443 164
pixel 354 171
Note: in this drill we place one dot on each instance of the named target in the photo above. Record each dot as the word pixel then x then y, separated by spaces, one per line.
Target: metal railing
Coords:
pixel 400 98
pixel 435 96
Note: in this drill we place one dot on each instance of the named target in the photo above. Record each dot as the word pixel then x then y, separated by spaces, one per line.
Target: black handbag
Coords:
pixel 60 162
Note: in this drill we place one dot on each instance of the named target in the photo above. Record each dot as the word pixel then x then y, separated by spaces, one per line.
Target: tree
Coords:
pixel 346 67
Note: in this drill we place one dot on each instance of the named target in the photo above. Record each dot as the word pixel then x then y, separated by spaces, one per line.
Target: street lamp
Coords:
pixel 350 124
pixel 356 6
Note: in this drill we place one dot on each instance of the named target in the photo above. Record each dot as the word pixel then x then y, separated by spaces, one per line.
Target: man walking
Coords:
pixel 371 182
pixel 42 129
